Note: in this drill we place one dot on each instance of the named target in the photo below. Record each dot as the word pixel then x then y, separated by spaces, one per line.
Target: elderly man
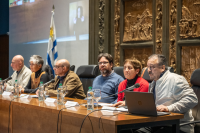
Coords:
pixel 172 93
pixel 67 78
pixel 108 81
pixel 22 73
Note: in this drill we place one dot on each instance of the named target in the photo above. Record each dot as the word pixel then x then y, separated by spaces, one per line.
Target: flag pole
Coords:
pixel 53 8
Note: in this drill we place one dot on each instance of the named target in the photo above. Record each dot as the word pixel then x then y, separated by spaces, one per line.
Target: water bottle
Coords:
pixel 16 89
pixel 41 92
pixel 60 97
pixel 1 86
pixel 90 99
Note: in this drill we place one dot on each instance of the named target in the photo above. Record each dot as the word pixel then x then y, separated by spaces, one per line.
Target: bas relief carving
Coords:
pixel 140 54
pixel 137 20
pixel 190 60
pixel 101 25
pixel 159 26
pixel 172 33
pixel 117 33
pixel 190 21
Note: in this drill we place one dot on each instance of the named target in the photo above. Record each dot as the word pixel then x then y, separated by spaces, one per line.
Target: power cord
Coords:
pixel 10 105
pixel 89 114
pixel 100 121
pixel 61 116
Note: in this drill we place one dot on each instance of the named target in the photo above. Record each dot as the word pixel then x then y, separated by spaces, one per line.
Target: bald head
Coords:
pixel 17 62
pixel 19 58
pixel 64 62
pixel 61 67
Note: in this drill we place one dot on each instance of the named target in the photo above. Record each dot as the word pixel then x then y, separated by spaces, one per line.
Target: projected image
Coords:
pixel 78 15
pixel 19 2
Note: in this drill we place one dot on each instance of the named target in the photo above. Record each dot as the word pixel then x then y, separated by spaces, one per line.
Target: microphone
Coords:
pixel 5 80
pixel 131 88
pixel 51 81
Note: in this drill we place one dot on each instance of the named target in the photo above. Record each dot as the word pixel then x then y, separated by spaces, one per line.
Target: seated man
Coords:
pixel 38 75
pixel 67 78
pixel 172 93
pixel 108 81
pixel 22 73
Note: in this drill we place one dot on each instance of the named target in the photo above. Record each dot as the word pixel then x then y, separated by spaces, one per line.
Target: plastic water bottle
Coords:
pixel 60 98
pixel 16 89
pixel 1 86
pixel 41 92
pixel 90 99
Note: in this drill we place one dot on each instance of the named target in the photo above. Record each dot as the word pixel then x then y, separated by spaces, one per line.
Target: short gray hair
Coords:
pixel 36 59
pixel 161 59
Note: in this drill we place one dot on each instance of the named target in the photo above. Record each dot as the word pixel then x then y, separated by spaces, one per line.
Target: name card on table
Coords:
pixel 108 110
pixel 5 93
pixel 70 103
pixel 50 104
pixel 50 100
pixel 25 96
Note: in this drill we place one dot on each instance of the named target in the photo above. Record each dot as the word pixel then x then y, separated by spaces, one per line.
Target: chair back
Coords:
pixel 195 81
pixel 87 74
pixel 119 70
pixel 48 70
pixel 72 67
pixel 145 74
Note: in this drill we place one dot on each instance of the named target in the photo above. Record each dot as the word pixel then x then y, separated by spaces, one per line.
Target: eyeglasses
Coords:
pixel 102 63
pixel 57 66
pixel 31 64
pixel 151 67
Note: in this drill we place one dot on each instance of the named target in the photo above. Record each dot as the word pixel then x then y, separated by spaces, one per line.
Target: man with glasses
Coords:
pixel 21 73
pixel 67 78
pixel 172 93
pixel 108 81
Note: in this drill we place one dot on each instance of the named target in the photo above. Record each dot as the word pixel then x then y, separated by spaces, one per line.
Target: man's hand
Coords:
pixel 5 85
pixel 37 92
pixel 22 90
pixel 162 108
pixel 120 103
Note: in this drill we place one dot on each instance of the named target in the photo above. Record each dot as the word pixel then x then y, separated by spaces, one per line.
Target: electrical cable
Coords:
pixel 92 112
pixel 102 122
pixel 10 105
pixel 61 116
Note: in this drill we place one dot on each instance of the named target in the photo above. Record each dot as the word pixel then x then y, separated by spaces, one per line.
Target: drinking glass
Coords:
pixel 97 95
pixel 65 91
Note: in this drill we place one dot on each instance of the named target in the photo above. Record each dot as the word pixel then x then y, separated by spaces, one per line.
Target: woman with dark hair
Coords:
pixel 38 75
pixel 132 69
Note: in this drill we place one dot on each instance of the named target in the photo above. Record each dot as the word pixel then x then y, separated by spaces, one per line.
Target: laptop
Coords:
pixel 142 103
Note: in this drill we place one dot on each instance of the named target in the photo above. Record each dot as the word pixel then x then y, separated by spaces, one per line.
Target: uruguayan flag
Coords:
pixel 52 52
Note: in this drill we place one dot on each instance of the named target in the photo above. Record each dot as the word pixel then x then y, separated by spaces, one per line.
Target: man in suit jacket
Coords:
pixel 69 80
pixel 21 73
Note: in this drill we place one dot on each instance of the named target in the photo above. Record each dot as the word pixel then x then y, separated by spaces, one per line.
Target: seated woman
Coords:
pixel 132 69
pixel 38 75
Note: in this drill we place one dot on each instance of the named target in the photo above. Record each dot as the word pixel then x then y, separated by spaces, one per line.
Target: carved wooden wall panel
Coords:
pixel 137 20
pixel 116 32
pixel 190 60
pixel 140 54
pixel 172 33
pixel 101 25
pixel 190 21
pixel 158 32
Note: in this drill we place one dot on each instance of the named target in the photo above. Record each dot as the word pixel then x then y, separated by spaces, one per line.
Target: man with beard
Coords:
pixel 172 93
pixel 21 73
pixel 108 81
